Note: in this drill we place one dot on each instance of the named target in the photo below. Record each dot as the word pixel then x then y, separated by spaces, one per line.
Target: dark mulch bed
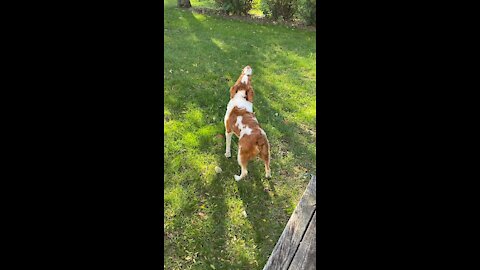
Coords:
pixel 255 19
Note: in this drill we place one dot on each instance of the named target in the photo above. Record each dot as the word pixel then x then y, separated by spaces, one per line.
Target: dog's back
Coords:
pixel 252 141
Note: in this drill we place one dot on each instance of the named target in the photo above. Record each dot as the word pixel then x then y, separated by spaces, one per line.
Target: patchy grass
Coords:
pixel 210 220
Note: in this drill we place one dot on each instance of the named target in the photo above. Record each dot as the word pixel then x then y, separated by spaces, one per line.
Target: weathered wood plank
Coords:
pixel 305 258
pixel 288 243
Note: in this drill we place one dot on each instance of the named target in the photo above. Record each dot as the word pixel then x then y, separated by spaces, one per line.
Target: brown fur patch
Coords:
pixel 252 144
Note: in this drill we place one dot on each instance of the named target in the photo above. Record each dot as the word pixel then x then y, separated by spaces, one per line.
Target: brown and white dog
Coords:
pixel 240 119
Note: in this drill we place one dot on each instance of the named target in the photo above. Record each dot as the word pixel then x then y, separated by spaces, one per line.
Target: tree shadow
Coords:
pixel 199 222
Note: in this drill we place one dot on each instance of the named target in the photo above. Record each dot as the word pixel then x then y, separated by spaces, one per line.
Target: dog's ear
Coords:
pixel 233 91
pixel 250 94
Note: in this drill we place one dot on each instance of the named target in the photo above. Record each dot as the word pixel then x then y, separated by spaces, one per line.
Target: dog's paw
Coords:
pixel 268 175
pixel 237 178
pixel 228 154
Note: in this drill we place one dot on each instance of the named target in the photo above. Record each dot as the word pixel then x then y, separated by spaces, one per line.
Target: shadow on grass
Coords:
pixel 197 229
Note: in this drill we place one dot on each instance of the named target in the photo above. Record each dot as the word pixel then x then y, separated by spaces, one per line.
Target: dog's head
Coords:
pixel 243 83
pixel 245 76
pixel 247 71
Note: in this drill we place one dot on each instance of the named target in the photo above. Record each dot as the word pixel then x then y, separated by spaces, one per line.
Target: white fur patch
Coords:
pixel 245 131
pixel 239 123
pixel 241 94
pixel 228 140
pixel 240 102
pixel 263 132
pixel 247 71
pixel 244 79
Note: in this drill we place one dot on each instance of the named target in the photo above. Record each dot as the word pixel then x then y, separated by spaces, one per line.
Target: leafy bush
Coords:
pixel 238 7
pixel 279 8
pixel 184 3
pixel 307 10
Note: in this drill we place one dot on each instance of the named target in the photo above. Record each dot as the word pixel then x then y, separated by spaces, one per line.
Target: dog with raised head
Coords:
pixel 241 120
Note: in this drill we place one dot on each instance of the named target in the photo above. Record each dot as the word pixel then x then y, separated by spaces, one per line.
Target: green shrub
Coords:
pixel 279 8
pixel 238 7
pixel 307 11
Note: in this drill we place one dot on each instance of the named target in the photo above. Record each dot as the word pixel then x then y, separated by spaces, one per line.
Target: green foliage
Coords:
pixel 184 3
pixel 307 10
pixel 238 7
pixel 280 9
pixel 304 10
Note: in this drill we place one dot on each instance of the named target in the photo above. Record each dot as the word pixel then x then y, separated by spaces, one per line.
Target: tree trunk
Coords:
pixel 184 3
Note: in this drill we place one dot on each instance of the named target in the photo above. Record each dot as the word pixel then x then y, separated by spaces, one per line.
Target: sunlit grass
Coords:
pixel 210 220
pixel 203 3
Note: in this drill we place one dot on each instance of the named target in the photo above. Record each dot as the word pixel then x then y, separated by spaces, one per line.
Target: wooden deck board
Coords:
pixel 296 233
pixel 305 259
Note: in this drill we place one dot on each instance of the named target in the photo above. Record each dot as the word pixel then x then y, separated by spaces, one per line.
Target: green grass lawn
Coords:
pixel 210 220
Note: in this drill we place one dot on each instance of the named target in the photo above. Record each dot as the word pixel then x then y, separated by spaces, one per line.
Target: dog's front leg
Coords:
pixel 228 142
